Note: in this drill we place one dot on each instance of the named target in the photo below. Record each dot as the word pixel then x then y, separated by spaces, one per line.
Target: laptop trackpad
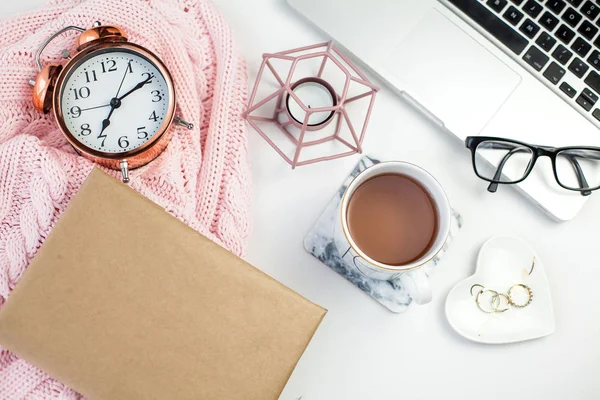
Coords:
pixel 451 75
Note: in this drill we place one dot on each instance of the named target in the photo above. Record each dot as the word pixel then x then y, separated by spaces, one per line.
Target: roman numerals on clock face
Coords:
pixel 114 101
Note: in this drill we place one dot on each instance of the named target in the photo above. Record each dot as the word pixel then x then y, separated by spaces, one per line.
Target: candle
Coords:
pixel 313 93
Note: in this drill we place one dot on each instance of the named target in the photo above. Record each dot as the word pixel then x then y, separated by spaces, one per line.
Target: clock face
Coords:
pixel 114 100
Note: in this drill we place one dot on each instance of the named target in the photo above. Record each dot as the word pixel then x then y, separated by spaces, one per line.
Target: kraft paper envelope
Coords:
pixel 123 301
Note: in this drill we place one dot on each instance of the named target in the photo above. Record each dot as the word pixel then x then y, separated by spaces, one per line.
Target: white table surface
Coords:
pixel 362 351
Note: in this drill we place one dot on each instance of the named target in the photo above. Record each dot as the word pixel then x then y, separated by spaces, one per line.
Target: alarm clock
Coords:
pixel 113 100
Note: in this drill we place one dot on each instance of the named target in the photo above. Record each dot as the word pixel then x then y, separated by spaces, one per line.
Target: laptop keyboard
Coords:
pixel 557 38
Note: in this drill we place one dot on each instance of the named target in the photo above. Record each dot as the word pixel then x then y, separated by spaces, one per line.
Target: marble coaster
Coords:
pixel 320 243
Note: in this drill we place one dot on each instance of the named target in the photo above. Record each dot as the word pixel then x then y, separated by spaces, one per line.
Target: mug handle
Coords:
pixel 418 286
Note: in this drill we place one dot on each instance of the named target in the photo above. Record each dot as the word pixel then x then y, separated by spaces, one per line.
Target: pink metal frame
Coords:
pixel 328 52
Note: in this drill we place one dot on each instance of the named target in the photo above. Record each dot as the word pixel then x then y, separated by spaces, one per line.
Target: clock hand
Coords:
pixel 106 121
pixel 137 87
pixel 114 104
pixel 123 80
pixel 93 108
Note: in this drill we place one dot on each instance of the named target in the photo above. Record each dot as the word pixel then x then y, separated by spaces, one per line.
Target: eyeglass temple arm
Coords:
pixel 580 176
pixel 594 155
pixel 493 187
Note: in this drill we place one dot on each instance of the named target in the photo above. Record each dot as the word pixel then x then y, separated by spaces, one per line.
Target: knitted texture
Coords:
pixel 202 177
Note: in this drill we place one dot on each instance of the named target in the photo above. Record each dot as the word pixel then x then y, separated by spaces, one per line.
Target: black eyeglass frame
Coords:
pixel 472 142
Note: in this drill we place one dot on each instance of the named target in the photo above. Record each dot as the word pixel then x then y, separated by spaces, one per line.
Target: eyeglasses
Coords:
pixel 507 161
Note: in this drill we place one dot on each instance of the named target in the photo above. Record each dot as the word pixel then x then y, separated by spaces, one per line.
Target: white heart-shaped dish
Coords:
pixel 502 262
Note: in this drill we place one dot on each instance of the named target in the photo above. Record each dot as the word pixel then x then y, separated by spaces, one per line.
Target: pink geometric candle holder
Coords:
pixel 314 104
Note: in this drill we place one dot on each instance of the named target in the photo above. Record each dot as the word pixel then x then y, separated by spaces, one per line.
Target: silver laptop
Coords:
pixel 520 69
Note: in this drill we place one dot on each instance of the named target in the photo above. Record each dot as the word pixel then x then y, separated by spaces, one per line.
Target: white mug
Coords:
pixel 411 276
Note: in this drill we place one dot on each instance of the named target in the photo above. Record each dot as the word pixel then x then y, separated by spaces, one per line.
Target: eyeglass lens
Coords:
pixel 502 161
pixel 578 168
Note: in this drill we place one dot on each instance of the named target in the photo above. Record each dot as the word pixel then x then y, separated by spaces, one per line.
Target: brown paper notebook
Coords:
pixel 123 301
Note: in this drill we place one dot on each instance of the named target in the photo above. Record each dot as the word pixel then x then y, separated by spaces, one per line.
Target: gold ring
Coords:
pixel 495 295
pixel 529 293
pixel 477 284
pixel 496 303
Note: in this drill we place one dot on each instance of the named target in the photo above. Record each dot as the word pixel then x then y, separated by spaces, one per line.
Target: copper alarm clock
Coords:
pixel 113 100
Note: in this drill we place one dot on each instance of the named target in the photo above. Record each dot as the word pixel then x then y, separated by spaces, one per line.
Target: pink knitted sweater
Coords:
pixel 202 178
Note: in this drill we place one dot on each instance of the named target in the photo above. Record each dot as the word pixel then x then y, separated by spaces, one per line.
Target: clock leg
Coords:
pixel 125 171
pixel 181 122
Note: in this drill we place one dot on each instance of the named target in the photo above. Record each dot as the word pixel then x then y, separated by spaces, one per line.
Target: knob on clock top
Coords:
pixel 100 33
